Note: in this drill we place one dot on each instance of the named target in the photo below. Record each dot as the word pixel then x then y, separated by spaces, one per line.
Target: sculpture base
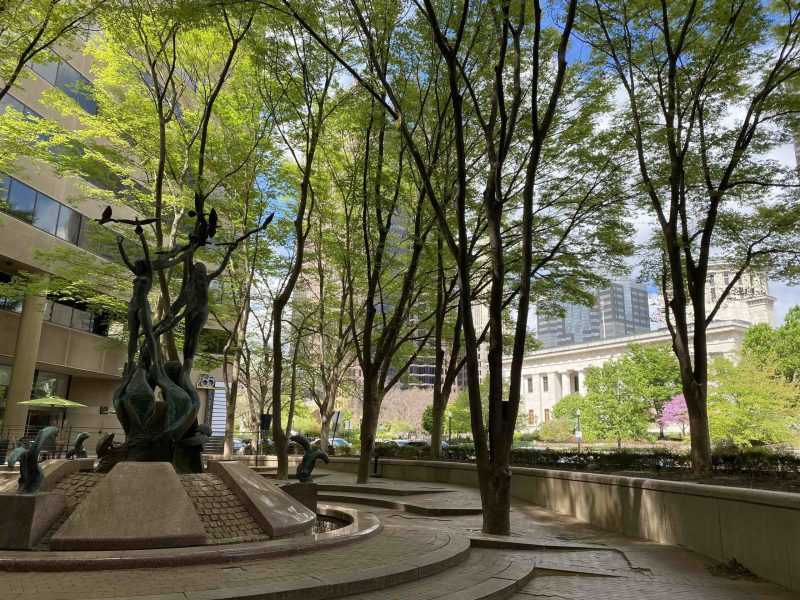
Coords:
pixel 137 505
pixel 25 518
pixel 306 493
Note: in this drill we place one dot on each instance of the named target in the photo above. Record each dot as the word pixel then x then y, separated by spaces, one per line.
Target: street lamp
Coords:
pixel 578 434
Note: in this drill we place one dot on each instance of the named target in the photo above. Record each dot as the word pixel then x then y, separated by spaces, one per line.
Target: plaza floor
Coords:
pixel 430 547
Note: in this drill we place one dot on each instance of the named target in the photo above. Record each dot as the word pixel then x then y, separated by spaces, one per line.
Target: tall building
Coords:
pixel 621 309
pixel 50 346
pixel 551 373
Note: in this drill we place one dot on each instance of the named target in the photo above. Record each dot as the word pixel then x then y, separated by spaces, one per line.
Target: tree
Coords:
pixel 674 412
pixel 776 347
pixel 427 418
pixel 752 404
pixel 658 375
pixel 613 408
pixel 709 87
pixel 518 137
pixel 31 28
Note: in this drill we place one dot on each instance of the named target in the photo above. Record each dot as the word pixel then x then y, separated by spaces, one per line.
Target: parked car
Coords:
pixel 335 442
pixel 424 444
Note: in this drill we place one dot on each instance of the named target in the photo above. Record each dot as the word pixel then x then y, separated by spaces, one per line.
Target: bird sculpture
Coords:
pixel 31 475
pixel 77 450
pixel 309 458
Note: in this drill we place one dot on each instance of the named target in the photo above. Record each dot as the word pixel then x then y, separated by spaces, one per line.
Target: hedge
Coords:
pixel 752 461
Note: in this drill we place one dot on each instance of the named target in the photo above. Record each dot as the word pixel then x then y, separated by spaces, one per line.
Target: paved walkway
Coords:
pixel 566 558
pixel 626 567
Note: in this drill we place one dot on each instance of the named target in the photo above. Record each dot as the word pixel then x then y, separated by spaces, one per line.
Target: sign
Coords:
pixel 578 435
pixel 206 382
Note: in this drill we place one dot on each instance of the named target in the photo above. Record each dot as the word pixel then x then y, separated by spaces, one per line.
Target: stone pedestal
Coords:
pixel 24 518
pixel 306 493
pixel 137 505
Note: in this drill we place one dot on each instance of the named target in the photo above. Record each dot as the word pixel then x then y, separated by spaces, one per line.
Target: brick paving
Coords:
pixel 74 487
pixel 600 565
pixel 224 517
pixel 391 546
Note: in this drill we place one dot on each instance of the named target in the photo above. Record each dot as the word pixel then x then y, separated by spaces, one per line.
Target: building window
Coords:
pixel 576 383
pixel 530 385
pixel 544 383
pixel 75 316
pixel 59 73
pixel 21 200
pixel 50 384
pixel 531 417
pixel 43 212
pixel 546 415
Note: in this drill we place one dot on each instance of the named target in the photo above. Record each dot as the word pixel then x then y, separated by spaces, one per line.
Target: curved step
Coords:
pixel 401 505
pixel 390 558
pixel 487 574
pixel 380 490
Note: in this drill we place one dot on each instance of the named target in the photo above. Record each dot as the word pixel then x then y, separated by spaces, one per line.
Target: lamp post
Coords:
pixel 578 434
pixel 449 430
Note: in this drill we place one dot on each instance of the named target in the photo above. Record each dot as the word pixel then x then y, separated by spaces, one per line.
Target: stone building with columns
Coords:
pixel 552 373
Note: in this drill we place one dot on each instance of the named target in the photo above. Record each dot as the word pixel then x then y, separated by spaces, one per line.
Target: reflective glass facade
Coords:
pixel 621 309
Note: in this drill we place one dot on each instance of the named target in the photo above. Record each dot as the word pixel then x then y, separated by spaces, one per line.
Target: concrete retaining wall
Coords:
pixel 760 529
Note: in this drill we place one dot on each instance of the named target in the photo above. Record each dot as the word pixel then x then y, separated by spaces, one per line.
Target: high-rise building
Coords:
pixel 50 346
pixel 621 309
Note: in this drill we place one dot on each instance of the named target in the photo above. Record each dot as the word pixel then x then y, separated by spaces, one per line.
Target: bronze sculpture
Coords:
pixel 31 475
pixel 309 458
pixel 14 455
pixel 156 402
pixel 77 450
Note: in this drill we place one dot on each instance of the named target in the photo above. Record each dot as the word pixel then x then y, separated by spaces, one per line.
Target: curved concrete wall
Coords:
pixel 760 529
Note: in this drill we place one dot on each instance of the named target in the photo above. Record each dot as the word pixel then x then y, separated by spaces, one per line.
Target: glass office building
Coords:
pixel 621 309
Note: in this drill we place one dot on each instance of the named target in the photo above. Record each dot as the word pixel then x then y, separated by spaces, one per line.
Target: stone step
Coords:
pixel 487 574
pixel 380 490
pixel 392 557
pixel 430 510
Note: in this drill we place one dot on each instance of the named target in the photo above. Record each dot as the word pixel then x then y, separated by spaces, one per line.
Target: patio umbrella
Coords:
pixel 52 402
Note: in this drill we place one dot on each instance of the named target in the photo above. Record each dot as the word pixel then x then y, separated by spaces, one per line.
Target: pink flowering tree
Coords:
pixel 675 413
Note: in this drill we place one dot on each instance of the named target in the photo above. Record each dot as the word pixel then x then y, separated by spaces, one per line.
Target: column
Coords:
pixel 26 351
pixel 582 383
pixel 566 384
pixel 554 382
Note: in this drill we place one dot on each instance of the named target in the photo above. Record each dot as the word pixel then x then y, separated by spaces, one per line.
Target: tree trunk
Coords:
pixel 496 502
pixel 369 428
pixel 278 435
pixel 698 424
pixel 325 432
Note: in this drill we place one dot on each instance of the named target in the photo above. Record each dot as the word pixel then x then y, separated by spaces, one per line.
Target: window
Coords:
pixel 576 383
pixel 544 383
pixel 531 417
pixel 21 201
pixel 530 385
pixel 546 415
pixel 50 384
pixel 74 315
pixel 59 73
pixel 69 225
pixel 45 214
